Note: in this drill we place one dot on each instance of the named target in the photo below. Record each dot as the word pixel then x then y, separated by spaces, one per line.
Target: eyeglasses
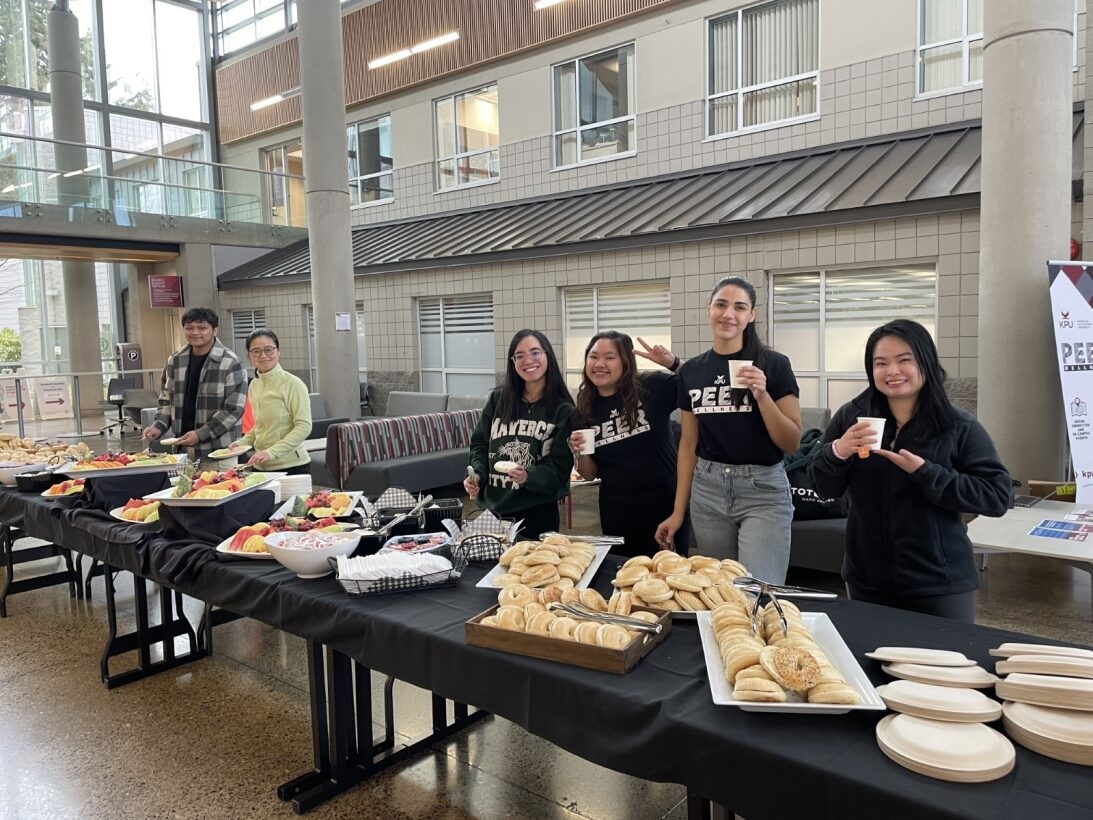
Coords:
pixel 262 351
pixel 535 355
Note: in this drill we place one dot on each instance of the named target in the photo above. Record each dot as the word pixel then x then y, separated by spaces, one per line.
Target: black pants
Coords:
pixel 635 515
pixel 957 607
pixel 299 469
pixel 543 518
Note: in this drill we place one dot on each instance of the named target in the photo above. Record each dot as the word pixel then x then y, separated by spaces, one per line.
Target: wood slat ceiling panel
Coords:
pixel 488 29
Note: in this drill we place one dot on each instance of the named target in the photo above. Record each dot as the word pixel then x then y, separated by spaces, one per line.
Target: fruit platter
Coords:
pixel 68 487
pixel 250 541
pixel 320 504
pixel 211 488
pixel 120 463
pixel 137 511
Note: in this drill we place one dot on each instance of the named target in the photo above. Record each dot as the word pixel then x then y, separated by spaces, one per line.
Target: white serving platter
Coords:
pixel 117 513
pixel 917 654
pixel 121 472
pixel 286 507
pixel 586 578
pixel 222 547
pixel 828 639
pixel 169 501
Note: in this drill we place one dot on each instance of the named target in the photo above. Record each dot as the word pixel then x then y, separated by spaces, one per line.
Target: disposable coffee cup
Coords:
pixel 589 446
pixel 877 428
pixel 734 371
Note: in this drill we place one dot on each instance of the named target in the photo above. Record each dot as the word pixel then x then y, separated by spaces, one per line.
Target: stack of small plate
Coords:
pixel 958 752
pixel 1062 734
pixel 1047 690
pixel 937 666
pixel 295 485
pixel 927 700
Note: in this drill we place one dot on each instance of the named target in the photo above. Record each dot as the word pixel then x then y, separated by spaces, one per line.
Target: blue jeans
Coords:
pixel 743 511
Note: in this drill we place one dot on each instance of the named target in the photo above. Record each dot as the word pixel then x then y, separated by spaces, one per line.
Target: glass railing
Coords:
pixel 130 183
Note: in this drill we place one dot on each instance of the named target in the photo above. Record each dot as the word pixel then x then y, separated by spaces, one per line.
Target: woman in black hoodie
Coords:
pixel 906 543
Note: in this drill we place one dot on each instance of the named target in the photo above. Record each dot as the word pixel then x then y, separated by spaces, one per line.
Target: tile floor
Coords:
pixel 214 738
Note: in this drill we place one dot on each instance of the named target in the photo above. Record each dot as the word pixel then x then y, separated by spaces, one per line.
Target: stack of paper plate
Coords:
pixel 928 700
pixel 1009 650
pixel 1054 691
pixel 960 752
pixel 1046 665
pixel 915 654
pixel 295 485
pixel 971 677
pixel 275 487
pixel 1061 734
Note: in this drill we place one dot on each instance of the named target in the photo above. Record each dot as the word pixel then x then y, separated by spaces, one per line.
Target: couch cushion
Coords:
pixel 815 417
pixel 415 473
pixel 818 544
pixel 466 402
pixel 403 403
pixel 463 423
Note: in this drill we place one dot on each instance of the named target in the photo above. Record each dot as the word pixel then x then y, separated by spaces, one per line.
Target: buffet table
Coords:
pixel 657 722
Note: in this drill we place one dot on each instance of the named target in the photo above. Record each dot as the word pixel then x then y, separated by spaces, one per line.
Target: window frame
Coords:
pixel 239 342
pixel 360 178
pixel 456 157
pixel 822 375
pixel 965 61
pixel 578 128
pixel 741 91
pixel 444 370
pixel 281 178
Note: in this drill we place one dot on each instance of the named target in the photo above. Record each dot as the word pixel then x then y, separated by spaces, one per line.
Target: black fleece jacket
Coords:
pixel 905 535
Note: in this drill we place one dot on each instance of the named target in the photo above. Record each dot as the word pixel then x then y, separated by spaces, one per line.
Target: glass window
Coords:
pixel 179 59
pixel 594 107
pixel 131 54
pixel 242 22
pixel 362 343
pixel 638 310
pixel 950 44
pixel 821 320
pixel 467 138
pixel 24 50
pixel 763 66
pixel 244 323
pixel 285 203
pixel 456 345
pixel 368 148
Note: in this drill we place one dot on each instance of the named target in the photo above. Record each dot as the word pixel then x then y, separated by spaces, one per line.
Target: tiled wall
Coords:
pixel 527 293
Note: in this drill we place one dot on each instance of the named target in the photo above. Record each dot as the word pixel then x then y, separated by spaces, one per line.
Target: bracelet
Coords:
pixel 675 365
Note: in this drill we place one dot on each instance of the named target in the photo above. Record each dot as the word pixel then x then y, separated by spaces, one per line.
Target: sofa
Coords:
pixel 423 442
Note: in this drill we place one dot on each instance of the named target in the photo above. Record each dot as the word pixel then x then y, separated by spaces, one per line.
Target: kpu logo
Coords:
pixel 1064 319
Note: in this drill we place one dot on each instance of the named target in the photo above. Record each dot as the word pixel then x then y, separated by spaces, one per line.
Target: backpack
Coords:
pixel 807 503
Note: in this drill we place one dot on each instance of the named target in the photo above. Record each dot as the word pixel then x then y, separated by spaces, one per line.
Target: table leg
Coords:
pixel 9 557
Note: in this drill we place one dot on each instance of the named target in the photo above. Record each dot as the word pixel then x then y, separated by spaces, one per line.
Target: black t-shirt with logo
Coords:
pixel 730 426
pixel 189 400
pixel 644 456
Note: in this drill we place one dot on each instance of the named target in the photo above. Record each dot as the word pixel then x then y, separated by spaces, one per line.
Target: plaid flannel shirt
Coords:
pixel 221 397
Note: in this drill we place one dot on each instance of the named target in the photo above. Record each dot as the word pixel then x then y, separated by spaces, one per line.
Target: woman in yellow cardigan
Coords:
pixel 281 408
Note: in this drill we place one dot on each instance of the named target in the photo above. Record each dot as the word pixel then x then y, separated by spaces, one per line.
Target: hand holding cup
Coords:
pixel 861 438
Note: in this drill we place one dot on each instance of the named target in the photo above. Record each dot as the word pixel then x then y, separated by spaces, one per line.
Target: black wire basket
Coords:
pixel 406 583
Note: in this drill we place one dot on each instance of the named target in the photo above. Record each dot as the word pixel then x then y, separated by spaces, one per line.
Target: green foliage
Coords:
pixel 11 348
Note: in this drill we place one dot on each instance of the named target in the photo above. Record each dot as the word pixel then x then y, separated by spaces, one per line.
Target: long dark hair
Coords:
pixel 933 410
pixel 555 392
pixel 629 388
pixel 753 349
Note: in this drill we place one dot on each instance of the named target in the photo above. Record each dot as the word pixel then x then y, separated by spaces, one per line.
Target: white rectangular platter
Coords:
pixel 119 472
pixel 601 553
pixel 354 503
pixel 829 640
pixel 169 501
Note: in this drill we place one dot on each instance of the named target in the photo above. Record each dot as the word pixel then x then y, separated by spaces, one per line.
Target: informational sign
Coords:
pixel 165 291
pixel 54 401
pixel 10 408
pixel 1072 317
pixel 342 322
pixel 1063 530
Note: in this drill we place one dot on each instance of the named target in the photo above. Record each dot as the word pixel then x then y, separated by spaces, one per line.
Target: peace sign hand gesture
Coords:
pixel 658 354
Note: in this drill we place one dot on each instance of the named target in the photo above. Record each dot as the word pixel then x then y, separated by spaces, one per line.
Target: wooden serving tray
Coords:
pixel 618 661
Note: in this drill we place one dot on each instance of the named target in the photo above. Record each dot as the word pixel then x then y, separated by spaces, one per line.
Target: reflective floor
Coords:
pixel 213 739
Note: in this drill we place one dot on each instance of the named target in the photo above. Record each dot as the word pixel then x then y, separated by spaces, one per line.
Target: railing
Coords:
pixel 20 391
pixel 130 182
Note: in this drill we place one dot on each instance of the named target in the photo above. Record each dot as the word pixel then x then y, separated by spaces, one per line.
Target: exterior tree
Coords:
pixel 11 349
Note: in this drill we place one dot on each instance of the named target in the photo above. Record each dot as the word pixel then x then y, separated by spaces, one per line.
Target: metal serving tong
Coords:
pixel 598 539
pixel 578 610
pixel 398 519
pixel 754 585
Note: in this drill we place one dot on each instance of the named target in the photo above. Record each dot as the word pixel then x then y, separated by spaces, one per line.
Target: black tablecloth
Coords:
pixel 658 721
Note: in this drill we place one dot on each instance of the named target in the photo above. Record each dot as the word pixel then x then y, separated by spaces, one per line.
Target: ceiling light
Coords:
pixel 74 173
pixel 545 4
pixel 424 45
pixel 8 189
pixel 258 105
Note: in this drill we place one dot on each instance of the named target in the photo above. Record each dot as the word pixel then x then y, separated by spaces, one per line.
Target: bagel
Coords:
pixel 587 632
pixel 561 550
pixel 533 609
pixel 690 583
pixel 742 659
pixel 792 667
pixel 556 538
pixel 540 624
pixel 516 595
pixel 716 574
pixel 593 600
pixel 539 557
pixel 638 561
pixel 506 579
pixel 676 565
pixel 689 602
pixel 612 637
pixel 511 617
pixel 656 556
pixel 653 591
pixel 752 672
pixel 840 693
pixel 711 597
pixel 730 592
pixel 564 583
pixel 625 602
pixel 549 595
pixel 571 595
pixel 734 568
pixel 668 604
pixel 540 576
pixel 513 552
pixel 489 620
pixel 757 690
pixel 562 628
pixel 699 562
pixel 644 615
pixel 628 576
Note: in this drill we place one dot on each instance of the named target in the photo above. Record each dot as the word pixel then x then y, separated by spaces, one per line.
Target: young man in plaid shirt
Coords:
pixel 204 389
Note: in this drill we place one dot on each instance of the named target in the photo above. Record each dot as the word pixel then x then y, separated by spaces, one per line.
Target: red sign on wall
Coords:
pixel 165 291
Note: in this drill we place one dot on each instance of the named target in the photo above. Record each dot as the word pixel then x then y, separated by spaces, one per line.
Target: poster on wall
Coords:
pixel 54 401
pixel 1072 317
pixel 165 291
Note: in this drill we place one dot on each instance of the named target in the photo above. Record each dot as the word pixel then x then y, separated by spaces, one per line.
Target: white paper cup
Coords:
pixel 589 446
pixel 877 427
pixel 734 371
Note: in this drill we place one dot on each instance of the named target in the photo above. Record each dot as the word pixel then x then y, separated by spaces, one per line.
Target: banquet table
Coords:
pixel 657 722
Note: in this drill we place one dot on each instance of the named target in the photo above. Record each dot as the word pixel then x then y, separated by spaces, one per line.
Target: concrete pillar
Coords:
pixel 1024 221
pixel 326 186
pixel 157 329
pixel 66 93
pixel 195 265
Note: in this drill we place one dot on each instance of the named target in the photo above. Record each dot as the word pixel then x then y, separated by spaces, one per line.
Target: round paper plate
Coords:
pixel 1046 665
pixel 959 752
pixel 505 467
pixel 915 654
pixel 1009 650
pixel 939 702
pixel 973 677
pixel 1063 725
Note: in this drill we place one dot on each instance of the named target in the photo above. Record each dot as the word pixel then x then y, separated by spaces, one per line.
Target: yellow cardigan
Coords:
pixel 282 418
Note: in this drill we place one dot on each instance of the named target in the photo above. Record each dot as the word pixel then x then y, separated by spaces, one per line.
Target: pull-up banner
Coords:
pixel 1072 316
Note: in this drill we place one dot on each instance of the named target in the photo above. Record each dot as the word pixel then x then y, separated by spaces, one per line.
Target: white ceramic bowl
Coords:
pixel 10 469
pixel 311 562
